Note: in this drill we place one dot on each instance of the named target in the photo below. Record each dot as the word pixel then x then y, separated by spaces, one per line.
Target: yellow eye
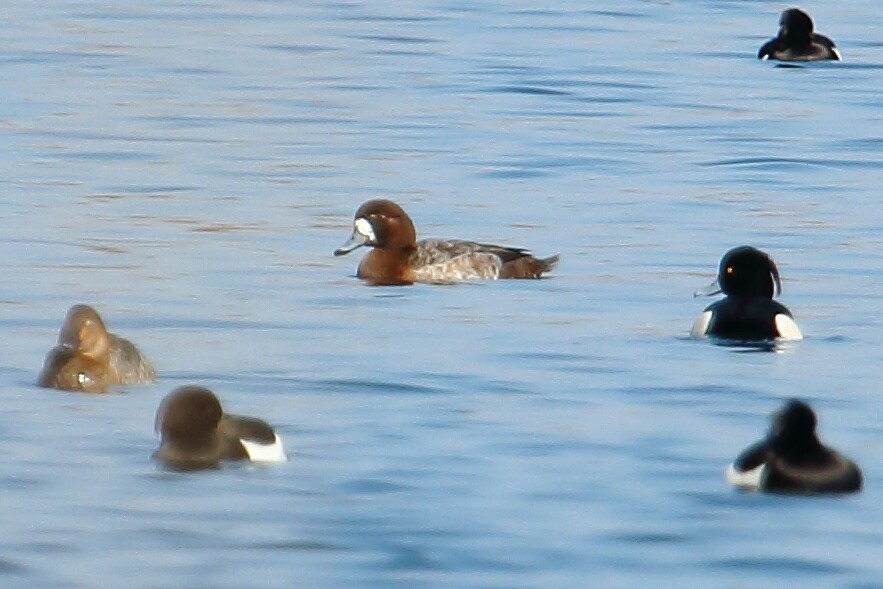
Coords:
pixel 729 269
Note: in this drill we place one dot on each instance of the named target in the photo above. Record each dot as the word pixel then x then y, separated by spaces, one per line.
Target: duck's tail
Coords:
pixel 529 267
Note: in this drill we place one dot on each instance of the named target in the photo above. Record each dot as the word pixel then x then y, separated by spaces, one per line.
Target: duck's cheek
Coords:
pixel 364 228
pixel 363 234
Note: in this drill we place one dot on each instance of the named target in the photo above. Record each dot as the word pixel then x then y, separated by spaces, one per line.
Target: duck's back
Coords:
pixel 453 260
pixel 442 260
pixel 249 438
pixel 834 474
pixel 748 320
pixel 821 48
pixel 128 364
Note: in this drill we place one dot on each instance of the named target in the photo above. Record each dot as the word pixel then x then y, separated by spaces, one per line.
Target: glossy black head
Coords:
pixel 794 428
pixel 795 26
pixel 746 271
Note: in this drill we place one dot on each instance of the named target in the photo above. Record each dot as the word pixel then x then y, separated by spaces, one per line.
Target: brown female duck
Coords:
pixel 88 358
pixel 398 258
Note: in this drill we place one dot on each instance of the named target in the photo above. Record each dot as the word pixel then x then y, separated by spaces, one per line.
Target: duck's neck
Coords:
pixel 388 265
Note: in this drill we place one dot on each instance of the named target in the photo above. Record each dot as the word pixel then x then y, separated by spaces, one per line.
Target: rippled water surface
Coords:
pixel 188 169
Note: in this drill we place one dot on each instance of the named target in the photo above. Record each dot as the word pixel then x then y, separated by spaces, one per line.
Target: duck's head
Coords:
pixel 380 223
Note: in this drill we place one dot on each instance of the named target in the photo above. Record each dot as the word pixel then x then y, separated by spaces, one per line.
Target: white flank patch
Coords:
pixel 835 52
pixel 701 325
pixel 363 227
pixel 749 479
pixel 258 452
pixel 787 328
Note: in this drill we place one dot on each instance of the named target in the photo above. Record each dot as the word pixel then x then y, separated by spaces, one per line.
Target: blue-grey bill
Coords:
pixel 710 290
pixel 356 240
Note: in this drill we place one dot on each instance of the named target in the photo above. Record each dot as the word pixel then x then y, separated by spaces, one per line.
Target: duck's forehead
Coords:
pixel 377 207
pixel 744 257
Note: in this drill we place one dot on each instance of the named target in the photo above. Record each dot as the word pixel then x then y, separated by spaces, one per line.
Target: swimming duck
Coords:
pixel 89 359
pixel 791 459
pixel 398 258
pixel 195 433
pixel 749 278
pixel 796 40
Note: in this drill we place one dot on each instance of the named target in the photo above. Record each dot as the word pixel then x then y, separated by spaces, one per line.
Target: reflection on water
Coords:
pixel 188 169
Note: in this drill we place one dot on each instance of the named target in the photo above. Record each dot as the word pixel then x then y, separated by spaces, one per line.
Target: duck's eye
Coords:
pixel 730 270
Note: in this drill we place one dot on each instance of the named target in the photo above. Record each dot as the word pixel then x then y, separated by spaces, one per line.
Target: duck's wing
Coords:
pixel 55 361
pixel 128 363
pixel 768 49
pixel 828 44
pixel 452 260
pixel 837 475
pixel 748 470
pixel 250 438
pixel 67 370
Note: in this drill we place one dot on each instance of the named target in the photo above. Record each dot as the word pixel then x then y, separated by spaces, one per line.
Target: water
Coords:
pixel 188 168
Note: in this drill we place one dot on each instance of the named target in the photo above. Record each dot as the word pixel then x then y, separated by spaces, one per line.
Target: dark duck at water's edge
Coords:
pixel 750 279
pixel 791 459
pixel 797 41
pixel 196 434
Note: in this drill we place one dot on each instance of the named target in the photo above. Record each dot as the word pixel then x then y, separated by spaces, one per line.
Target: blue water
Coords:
pixel 188 169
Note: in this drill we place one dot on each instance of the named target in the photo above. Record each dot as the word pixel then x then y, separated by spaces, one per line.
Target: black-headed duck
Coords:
pixel 89 359
pixel 195 433
pixel 791 459
pixel 398 258
pixel 749 278
pixel 796 40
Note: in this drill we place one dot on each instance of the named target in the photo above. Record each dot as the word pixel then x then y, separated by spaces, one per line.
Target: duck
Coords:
pixel 196 434
pixel 796 40
pixel 791 459
pixel 749 278
pixel 397 258
pixel 87 358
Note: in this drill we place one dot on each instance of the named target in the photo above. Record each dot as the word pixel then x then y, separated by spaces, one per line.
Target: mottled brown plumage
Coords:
pixel 89 359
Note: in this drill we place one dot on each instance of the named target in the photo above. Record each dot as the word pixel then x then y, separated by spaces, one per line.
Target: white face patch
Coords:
pixel 363 227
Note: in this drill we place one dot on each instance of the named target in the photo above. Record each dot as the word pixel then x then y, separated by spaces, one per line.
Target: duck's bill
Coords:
pixel 357 240
pixel 710 290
